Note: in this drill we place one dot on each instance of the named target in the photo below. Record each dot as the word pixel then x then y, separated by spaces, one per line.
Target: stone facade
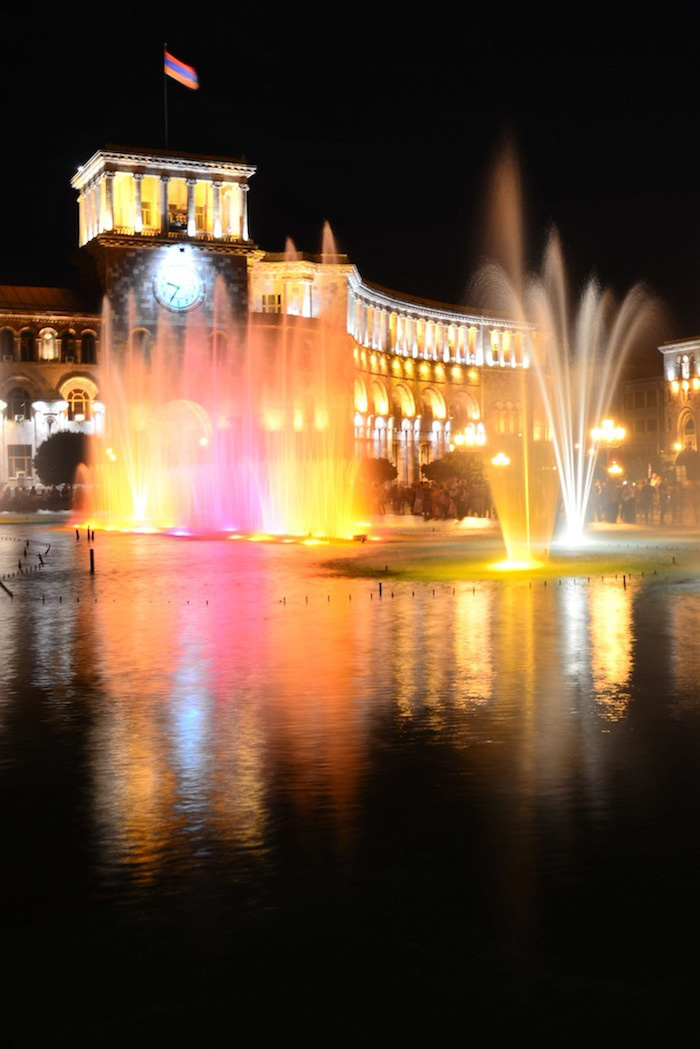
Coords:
pixel 427 377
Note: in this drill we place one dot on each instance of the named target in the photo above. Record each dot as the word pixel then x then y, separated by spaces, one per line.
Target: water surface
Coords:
pixel 237 782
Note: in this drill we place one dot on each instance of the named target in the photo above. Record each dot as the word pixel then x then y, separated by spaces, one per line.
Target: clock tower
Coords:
pixel 161 231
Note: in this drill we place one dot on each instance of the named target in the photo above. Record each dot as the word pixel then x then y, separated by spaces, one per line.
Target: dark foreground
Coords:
pixel 242 792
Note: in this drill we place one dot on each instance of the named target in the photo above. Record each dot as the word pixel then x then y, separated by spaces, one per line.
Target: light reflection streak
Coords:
pixel 612 638
pixel 472 645
pixel 208 709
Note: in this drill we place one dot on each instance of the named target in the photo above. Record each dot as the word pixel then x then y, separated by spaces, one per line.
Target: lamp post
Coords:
pixel 608 435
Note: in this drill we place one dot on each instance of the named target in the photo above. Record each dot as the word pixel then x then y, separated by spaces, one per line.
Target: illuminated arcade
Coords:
pixel 236 390
pixel 209 352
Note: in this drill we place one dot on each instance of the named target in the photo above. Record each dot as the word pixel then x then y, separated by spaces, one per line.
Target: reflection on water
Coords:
pixel 612 641
pixel 235 712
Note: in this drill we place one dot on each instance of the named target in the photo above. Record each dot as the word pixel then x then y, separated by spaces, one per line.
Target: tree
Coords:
pixel 59 457
pixel 465 466
pixel 377 470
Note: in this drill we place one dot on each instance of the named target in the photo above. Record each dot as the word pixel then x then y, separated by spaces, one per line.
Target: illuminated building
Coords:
pixel 682 393
pixel 161 229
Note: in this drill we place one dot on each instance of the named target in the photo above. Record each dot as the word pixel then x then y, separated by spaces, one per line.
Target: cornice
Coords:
pixel 374 296
pixel 106 160
pixel 109 239
pixel 45 318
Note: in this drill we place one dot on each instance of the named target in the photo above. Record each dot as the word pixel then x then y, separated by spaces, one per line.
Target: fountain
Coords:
pixel 577 357
pixel 247 433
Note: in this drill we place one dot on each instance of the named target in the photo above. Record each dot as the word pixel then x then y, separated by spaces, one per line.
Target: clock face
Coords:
pixel 178 286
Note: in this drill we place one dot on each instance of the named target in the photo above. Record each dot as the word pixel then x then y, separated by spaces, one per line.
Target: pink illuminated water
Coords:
pixel 250 432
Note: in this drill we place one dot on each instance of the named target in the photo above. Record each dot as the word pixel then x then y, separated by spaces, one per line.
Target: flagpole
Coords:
pixel 165 95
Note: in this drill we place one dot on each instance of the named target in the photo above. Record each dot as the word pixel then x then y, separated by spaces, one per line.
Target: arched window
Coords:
pixel 68 352
pixel 7 343
pixel 88 343
pixel 27 345
pixel 19 404
pixel 79 405
pixel 48 345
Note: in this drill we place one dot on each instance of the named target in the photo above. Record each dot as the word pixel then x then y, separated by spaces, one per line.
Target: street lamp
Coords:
pixel 609 436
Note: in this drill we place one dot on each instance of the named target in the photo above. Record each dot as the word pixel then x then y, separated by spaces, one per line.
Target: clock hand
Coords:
pixel 176 287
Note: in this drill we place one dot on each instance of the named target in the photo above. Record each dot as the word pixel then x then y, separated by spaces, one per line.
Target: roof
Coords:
pixel 160 161
pixel 173 154
pixel 50 300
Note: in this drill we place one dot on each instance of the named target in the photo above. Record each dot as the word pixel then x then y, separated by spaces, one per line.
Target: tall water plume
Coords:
pixel 578 353
pixel 247 432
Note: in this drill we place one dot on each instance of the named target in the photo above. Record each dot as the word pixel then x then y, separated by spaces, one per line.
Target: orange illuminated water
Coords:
pixel 239 772
pixel 249 433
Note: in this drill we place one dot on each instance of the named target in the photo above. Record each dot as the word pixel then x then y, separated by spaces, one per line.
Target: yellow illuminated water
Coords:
pixel 393 747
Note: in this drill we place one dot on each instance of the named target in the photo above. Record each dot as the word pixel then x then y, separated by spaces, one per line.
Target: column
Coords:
pixel 92 225
pixel 244 211
pixel 138 217
pixel 164 223
pixel 216 195
pixel 82 223
pixel 191 217
pixel 479 351
pixel 109 199
pixel 414 465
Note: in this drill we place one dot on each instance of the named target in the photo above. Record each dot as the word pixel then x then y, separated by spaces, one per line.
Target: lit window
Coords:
pixel 19 405
pixel 19 460
pixel 48 346
pixel 272 303
pixel 79 405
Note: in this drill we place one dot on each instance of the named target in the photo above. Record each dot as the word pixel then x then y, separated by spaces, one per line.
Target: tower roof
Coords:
pixel 161 162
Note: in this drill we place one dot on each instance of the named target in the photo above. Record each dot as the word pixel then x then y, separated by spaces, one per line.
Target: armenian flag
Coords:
pixel 185 75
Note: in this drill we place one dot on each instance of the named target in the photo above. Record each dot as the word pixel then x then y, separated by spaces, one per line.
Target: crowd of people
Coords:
pixel 441 500
pixel 656 500
pixel 18 500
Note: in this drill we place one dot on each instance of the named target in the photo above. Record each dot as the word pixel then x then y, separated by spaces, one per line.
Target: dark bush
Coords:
pixel 59 457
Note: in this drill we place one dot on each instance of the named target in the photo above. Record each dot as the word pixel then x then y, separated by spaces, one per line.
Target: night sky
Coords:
pixel 385 124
